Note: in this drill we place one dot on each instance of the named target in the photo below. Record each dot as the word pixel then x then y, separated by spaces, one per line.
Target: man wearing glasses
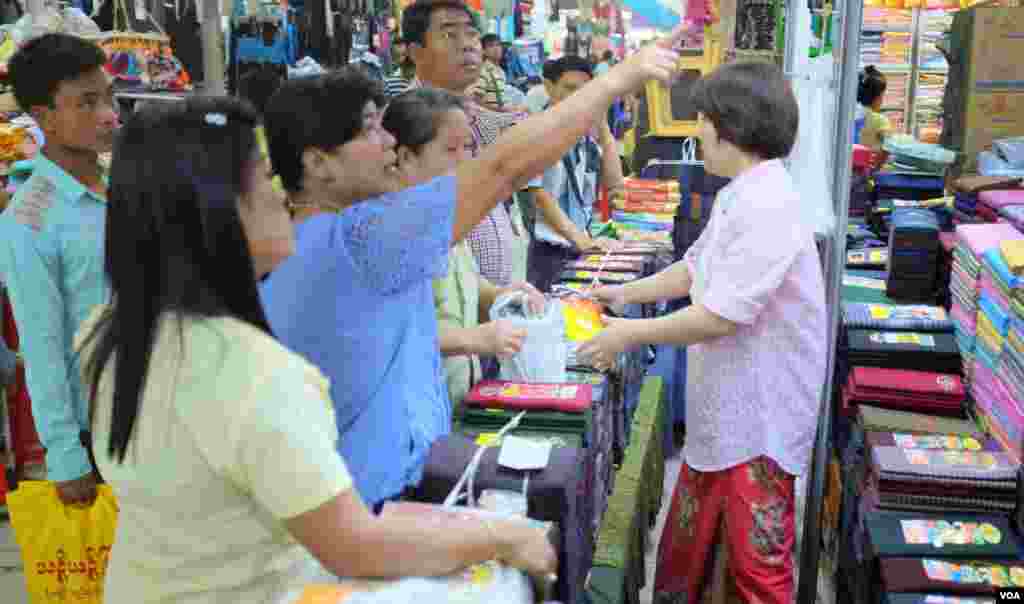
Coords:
pixel 445 44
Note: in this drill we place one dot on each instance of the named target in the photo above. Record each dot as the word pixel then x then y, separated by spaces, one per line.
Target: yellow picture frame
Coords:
pixel 659 106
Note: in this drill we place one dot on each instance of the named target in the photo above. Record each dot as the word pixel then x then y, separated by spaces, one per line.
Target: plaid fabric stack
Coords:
pixel 972 242
pixel 993 388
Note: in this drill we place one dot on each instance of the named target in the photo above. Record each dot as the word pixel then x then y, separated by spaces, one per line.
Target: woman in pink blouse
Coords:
pixel 756 345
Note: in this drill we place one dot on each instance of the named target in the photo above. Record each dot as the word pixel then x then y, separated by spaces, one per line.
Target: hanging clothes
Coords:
pixel 182 27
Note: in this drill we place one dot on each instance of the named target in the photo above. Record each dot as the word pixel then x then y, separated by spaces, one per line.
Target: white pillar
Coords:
pixel 35 7
pixel 213 53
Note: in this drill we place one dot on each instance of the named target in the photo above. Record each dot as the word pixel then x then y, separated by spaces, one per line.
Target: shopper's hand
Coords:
pixel 612 296
pixel 534 299
pixel 652 62
pixel 601 350
pixel 501 338
pixel 530 551
pixel 80 491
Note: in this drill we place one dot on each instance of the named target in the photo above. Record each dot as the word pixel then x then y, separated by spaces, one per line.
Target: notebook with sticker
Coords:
pixel 607 277
pixel 967 577
pixel 969 465
pixel 514 395
pixel 906 534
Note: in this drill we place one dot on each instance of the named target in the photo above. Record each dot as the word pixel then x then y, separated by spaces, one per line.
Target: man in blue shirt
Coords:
pixel 51 241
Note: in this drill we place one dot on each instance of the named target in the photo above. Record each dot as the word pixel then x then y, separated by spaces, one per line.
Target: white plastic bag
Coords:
pixel 544 355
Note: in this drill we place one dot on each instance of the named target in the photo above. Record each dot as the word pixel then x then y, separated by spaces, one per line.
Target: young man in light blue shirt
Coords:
pixel 52 238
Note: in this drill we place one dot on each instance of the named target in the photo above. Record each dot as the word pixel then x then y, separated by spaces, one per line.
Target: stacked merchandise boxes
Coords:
pixel 646 211
pixel 984 94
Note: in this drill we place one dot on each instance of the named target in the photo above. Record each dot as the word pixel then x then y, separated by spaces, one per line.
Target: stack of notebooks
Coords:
pixel 913 256
pixel 972 243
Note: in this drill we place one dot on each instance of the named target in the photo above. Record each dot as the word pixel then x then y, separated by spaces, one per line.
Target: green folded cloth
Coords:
pixel 864 286
pixel 555 438
pixel 877 419
pixel 492 420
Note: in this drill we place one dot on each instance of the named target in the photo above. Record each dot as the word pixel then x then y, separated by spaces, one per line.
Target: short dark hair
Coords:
pixel 258 86
pixel 324 112
pixel 751 105
pixel 608 56
pixel 489 39
pixel 39 67
pixel 414 117
pixel 175 244
pixel 416 18
pixel 560 67
pixel 547 71
pixel 871 84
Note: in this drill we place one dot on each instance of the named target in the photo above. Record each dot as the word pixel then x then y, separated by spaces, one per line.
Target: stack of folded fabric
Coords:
pixel 973 241
pixel 944 474
pixel 939 581
pixel 881 215
pixel 1014 214
pixel 552 495
pixel 901 350
pixel 991 202
pixel 998 312
pixel 946 541
pixel 896 317
pixel 555 412
pixel 917 391
pixel 647 211
pixel 966 190
pixel 871 419
pixel 913 256
pixel 864 286
pixel 867 258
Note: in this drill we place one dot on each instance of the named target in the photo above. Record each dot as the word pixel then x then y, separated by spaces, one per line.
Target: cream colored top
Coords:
pixel 235 434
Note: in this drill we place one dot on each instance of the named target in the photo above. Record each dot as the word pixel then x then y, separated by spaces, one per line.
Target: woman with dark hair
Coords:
pixel 219 442
pixel 357 299
pixel 433 136
pixel 870 90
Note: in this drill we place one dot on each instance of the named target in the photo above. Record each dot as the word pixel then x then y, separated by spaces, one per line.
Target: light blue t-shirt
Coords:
pixel 356 300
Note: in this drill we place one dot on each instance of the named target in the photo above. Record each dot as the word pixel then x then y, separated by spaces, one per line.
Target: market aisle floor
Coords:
pixel 12 579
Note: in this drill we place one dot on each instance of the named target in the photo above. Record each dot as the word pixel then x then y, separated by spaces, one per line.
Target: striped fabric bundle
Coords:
pixel 965 282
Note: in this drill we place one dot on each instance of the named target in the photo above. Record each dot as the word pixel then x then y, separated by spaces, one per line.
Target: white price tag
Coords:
pixel 520 453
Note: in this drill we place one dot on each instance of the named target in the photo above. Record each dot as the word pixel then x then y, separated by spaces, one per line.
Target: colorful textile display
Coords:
pixel 144 62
